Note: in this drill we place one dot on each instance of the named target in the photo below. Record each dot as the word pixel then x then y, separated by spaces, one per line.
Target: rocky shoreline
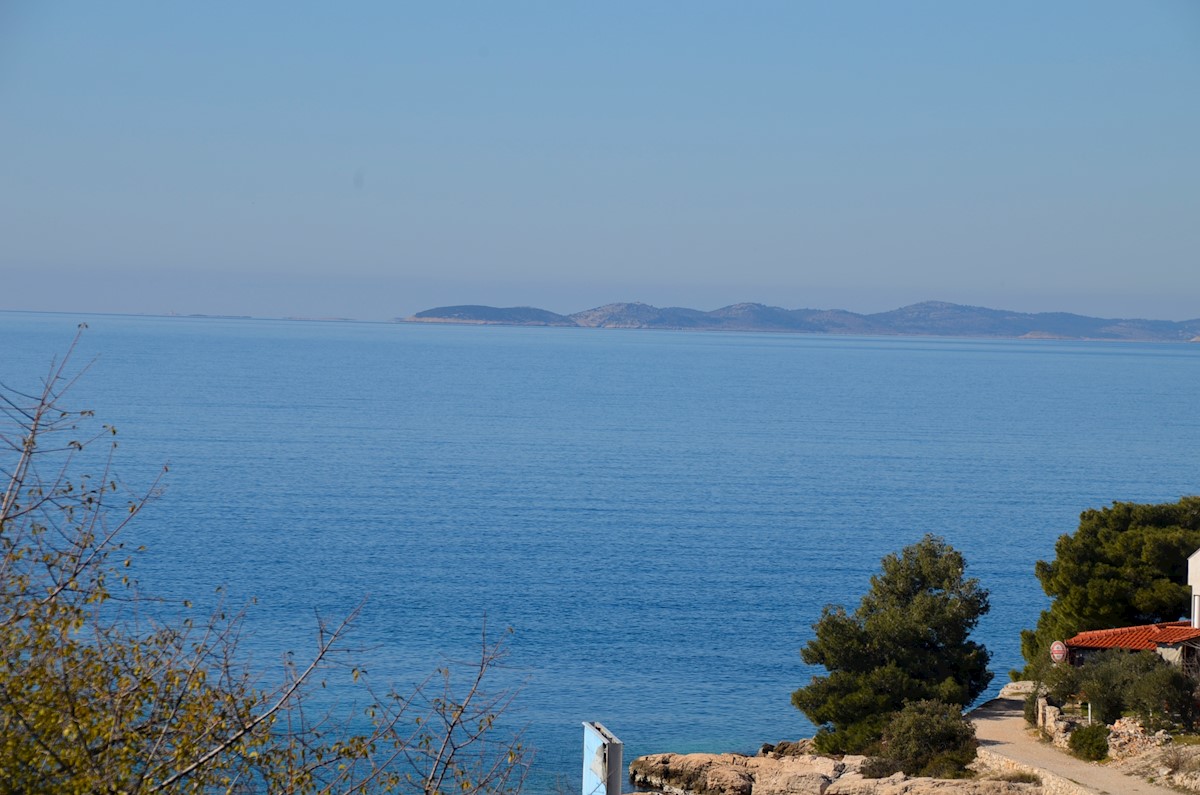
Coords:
pixel 793 768
pixel 789 769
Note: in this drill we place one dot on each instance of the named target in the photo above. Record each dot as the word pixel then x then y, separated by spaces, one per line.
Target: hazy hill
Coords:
pixel 640 315
pixel 943 319
pixel 930 318
pixel 512 316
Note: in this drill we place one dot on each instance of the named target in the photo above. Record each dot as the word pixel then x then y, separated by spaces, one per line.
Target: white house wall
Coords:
pixel 1172 654
pixel 1194 585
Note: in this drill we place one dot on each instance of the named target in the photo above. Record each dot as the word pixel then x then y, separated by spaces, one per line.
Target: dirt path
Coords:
pixel 1001 728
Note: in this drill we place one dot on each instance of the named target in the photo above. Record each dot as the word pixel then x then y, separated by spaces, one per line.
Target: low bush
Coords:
pixel 1161 696
pixel 1017 777
pixel 949 765
pixel 1090 742
pixel 1031 708
pixel 930 738
pixel 1102 684
pixel 1174 759
pixel 878 767
pixel 1117 682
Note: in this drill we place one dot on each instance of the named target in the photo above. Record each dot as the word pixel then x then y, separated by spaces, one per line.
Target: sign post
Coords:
pixel 603 761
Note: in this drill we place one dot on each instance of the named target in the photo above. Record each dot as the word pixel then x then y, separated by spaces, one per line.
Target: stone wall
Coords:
pixel 1126 737
pixel 986 760
pixel 1052 723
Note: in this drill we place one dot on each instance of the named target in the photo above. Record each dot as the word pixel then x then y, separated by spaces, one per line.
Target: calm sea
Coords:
pixel 659 516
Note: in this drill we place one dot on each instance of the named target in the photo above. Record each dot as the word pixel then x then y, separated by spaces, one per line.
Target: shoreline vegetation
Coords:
pixel 1012 757
pixel 930 318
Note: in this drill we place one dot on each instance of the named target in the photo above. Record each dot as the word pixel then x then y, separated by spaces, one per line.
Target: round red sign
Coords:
pixel 1058 651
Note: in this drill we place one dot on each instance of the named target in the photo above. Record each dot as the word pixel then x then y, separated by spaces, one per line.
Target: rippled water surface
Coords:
pixel 659 516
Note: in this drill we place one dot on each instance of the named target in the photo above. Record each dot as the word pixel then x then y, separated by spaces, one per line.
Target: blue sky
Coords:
pixel 370 160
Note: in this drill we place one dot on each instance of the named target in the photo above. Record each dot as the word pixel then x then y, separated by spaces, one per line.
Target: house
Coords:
pixel 1177 642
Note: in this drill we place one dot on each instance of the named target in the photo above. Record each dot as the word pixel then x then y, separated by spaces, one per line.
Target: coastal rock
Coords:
pixel 703 774
pixel 787 748
pixel 786 781
pixel 734 774
pixel 796 774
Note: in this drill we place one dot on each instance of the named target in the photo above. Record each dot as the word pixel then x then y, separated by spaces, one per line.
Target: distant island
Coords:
pixel 930 318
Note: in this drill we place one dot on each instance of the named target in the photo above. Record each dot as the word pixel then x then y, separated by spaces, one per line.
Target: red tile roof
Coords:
pixel 1146 636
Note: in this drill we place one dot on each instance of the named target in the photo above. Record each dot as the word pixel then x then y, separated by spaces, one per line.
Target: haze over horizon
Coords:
pixel 302 160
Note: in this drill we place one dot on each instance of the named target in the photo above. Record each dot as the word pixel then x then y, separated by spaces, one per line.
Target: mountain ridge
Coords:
pixel 927 318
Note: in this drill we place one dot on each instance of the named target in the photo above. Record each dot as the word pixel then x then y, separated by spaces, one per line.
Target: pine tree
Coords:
pixel 907 641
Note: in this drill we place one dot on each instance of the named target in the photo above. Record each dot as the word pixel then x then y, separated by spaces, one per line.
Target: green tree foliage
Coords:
pixel 930 738
pixel 99 695
pixel 1161 697
pixel 1090 742
pixel 909 640
pixel 1116 682
pixel 1125 565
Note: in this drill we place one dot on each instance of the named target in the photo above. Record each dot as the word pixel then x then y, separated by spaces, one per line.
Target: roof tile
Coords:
pixel 1145 636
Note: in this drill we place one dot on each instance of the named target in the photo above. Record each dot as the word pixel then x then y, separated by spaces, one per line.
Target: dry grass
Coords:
pixel 1177 764
pixel 1016 777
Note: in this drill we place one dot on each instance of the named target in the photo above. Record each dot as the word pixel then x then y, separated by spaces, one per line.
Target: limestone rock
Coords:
pixel 703 774
pixel 787 748
pixel 797 774
pixel 1127 738
pixel 733 774
pixel 1017 689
